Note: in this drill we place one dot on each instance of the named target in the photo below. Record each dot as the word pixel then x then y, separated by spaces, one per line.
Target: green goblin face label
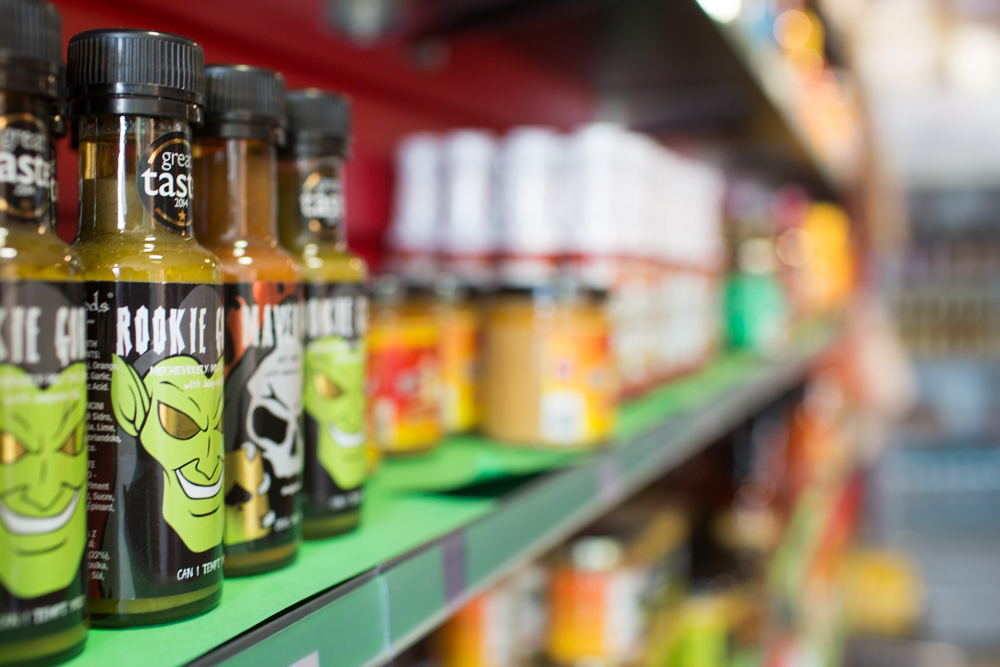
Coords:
pixel 177 415
pixel 43 471
pixel 334 398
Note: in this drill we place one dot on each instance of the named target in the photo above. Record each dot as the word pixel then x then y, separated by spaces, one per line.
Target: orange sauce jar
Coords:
pixel 460 328
pixel 594 608
pixel 404 371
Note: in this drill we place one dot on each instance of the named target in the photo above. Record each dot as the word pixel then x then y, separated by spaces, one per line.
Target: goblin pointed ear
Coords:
pixel 129 397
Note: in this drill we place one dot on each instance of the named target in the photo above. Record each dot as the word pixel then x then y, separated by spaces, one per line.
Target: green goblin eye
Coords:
pixel 11 449
pixel 73 444
pixel 177 424
pixel 326 387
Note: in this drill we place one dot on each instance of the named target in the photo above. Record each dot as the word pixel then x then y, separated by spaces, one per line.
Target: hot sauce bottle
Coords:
pixel 311 224
pixel 236 218
pixel 43 374
pixel 155 330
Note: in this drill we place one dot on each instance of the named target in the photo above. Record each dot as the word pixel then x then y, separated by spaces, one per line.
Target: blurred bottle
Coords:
pixel 412 238
pixel 466 242
pixel 757 310
pixel 530 207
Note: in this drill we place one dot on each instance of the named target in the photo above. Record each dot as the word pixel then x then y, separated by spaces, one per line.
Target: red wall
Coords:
pixel 482 82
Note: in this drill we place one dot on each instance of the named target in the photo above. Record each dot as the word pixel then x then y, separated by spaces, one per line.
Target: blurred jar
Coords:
pixel 595 606
pixel 502 627
pixel 548 375
pixel 459 323
pixel 481 634
pixel 404 370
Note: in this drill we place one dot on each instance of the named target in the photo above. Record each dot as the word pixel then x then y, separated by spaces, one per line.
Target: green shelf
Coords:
pixel 357 600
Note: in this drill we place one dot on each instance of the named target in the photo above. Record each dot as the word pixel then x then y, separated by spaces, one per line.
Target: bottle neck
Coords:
pixel 237 200
pixel 311 202
pixel 27 165
pixel 135 176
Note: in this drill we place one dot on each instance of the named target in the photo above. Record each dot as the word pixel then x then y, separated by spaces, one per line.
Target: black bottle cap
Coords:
pixel 244 102
pixel 138 72
pixel 31 49
pixel 319 122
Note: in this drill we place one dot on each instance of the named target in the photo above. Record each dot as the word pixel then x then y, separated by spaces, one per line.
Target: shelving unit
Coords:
pixel 766 70
pixel 438 529
pixel 668 69
pixel 358 600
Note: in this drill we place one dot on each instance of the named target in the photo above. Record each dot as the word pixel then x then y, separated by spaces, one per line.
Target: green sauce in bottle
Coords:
pixel 155 330
pixel 311 224
pixel 236 218
pixel 43 373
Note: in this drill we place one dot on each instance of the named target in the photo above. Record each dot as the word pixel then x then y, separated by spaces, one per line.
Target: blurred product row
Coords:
pixel 943 291
pixel 195 383
pixel 712 566
pixel 566 271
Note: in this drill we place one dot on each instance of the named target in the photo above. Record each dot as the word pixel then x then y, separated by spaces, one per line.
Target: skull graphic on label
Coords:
pixel 264 449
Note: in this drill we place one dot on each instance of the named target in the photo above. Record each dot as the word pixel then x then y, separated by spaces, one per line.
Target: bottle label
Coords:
pixel 163 177
pixel 155 421
pixel 43 458
pixel 264 449
pixel 321 199
pixel 336 321
pixel 26 167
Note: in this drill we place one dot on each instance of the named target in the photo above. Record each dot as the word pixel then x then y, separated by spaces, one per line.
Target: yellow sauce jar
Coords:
pixel 549 378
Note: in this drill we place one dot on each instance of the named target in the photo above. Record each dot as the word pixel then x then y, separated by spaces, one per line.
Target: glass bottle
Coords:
pixel 43 459
pixel 236 218
pixel 311 226
pixel 155 331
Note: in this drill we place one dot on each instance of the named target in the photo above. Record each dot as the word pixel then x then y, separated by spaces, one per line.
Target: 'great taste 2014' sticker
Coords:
pixel 26 167
pixel 163 177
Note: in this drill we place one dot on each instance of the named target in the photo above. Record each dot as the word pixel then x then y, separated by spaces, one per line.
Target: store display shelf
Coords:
pixel 358 600
pixel 766 70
